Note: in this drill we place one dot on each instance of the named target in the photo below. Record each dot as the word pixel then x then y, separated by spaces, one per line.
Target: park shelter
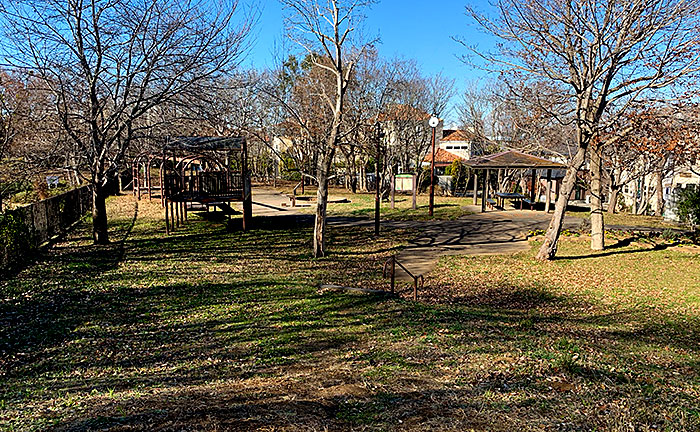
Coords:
pixel 512 159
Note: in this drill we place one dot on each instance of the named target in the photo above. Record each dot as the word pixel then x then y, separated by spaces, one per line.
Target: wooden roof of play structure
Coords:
pixel 512 159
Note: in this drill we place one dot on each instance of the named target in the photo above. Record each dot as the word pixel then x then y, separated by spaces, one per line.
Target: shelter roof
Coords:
pixel 513 159
pixel 195 144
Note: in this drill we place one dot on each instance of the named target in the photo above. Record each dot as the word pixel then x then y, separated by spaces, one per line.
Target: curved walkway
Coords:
pixel 490 233
pixel 478 234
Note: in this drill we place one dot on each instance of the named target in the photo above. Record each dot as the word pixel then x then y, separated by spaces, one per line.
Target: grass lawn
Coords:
pixel 211 330
pixel 630 220
pixel 362 204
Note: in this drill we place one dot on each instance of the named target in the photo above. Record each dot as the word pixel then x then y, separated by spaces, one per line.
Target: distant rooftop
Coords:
pixel 457 135
pixel 442 157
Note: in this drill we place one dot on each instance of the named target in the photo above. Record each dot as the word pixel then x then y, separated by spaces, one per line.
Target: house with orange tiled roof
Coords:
pixel 460 142
pixel 443 159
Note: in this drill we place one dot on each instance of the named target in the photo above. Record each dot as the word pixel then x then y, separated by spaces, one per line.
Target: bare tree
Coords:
pixel 109 63
pixel 327 31
pixel 602 55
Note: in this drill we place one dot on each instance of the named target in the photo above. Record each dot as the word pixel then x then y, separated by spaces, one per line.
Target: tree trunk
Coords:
pixel 99 215
pixel 614 197
pixel 549 248
pixel 597 222
pixel 320 225
pixel 659 193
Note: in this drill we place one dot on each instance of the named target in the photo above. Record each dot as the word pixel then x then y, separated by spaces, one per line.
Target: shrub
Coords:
pixel 16 242
pixel 688 206
pixel 460 174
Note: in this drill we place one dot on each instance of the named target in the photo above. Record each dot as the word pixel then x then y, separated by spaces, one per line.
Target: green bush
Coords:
pixel 289 170
pixel 16 242
pixel 688 206
pixel 460 174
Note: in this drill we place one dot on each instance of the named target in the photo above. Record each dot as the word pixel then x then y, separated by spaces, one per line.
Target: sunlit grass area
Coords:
pixel 215 330
pixel 631 220
pixel 362 204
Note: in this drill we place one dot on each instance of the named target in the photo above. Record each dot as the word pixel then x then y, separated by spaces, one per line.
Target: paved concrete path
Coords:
pixel 491 233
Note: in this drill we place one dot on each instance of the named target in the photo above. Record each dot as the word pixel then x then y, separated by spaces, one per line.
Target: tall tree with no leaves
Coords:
pixel 601 54
pixel 327 30
pixel 108 63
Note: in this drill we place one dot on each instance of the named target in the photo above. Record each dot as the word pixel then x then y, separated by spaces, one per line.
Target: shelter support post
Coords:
pixel 532 188
pixel 548 201
pixel 487 185
pixel 476 187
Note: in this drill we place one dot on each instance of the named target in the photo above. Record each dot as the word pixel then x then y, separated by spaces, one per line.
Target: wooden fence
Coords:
pixel 24 229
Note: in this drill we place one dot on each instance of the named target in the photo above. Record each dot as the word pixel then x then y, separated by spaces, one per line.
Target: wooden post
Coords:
pixel 162 187
pixel 393 274
pixel 133 178
pixel 548 201
pixel 487 185
pixel 483 193
pixel 415 289
pixel 415 190
pixel 247 188
pixel 476 187
pixel 393 191
pixel 167 221
pixel 177 214
pixel 137 182
pixel 148 174
pixel 532 189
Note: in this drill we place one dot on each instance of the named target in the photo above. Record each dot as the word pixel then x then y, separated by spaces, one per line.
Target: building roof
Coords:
pixel 442 157
pixel 458 135
pixel 513 159
pixel 194 144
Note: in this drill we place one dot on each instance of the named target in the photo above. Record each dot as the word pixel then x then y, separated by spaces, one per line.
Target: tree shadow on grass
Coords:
pixel 356 406
pixel 612 251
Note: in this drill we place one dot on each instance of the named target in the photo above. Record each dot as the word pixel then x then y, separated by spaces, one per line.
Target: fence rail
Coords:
pixel 390 271
pixel 24 229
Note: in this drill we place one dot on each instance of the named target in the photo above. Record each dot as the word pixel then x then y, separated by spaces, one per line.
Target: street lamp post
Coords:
pixel 377 199
pixel 433 122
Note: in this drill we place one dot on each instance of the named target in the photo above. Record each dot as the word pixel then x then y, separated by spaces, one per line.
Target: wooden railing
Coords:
pixel 390 271
pixel 204 186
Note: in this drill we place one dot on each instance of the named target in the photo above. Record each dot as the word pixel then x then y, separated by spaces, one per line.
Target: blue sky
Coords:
pixel 411 29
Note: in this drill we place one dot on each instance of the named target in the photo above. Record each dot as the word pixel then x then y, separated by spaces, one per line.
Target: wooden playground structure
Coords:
pixel 196 173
